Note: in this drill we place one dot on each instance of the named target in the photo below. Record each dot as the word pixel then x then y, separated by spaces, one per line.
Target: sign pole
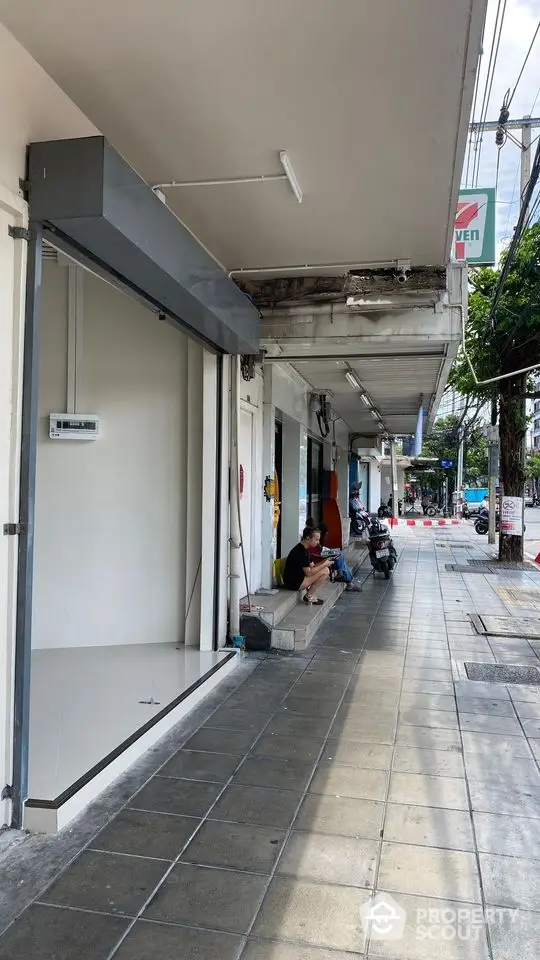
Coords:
pixel 493 473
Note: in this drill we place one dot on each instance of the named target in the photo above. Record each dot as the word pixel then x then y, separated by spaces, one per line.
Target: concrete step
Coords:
pixel 297 628
pixel 274 608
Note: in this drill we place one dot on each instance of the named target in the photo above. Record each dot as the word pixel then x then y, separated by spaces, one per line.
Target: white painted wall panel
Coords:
pixel 114 557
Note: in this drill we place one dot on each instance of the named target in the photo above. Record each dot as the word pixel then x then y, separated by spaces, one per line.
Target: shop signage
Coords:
pixel 474 228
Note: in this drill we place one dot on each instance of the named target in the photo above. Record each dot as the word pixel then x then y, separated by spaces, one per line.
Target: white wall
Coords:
pixel 117 542
pixel 251 443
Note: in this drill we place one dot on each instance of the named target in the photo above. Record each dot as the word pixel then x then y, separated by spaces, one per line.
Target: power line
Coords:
pixel 525 63
pixel 473 113
pixel 494 53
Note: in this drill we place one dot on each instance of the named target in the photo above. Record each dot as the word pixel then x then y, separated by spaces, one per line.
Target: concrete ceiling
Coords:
pixel 370 99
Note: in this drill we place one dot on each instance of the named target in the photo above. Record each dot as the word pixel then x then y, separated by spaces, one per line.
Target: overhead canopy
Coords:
pixel 370 98
pixel 89 197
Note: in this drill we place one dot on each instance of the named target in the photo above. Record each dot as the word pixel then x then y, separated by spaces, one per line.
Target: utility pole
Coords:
pixel 393 470
pixel 459 479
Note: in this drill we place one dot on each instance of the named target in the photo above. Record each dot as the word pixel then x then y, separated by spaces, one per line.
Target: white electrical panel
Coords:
pixel 73 426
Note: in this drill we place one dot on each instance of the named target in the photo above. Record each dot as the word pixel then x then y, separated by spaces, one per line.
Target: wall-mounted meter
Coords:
pixel 73 426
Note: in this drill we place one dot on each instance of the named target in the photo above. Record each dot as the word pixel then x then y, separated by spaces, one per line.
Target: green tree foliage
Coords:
pixel 443 443
pixel 501 345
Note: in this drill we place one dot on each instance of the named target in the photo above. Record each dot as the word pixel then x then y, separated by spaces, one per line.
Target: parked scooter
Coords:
pixel 482 523
pixel 382 551
pixel 360 521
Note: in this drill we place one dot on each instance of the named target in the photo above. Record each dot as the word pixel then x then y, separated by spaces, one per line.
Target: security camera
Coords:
pixel 402 276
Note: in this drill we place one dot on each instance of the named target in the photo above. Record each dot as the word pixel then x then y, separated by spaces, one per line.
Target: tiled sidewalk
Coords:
pixel 357 767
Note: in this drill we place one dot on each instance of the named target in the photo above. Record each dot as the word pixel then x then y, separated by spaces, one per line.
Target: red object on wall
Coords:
pixel 332 513
pixel 241 481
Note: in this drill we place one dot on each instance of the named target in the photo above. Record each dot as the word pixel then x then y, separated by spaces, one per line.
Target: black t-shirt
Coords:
pixel 295 565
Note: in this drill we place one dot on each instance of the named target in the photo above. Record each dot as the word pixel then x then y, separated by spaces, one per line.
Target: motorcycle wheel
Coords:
pixel 385 569
pixel 430 512
pixel 480 528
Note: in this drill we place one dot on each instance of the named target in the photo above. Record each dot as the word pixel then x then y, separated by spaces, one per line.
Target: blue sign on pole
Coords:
pixel 446 464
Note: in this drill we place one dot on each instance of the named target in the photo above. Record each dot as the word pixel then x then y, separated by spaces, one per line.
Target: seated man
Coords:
pixel 321 552
pixel 301 573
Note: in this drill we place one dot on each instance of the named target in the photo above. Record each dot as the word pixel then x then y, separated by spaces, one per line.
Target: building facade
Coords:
pixel 190 312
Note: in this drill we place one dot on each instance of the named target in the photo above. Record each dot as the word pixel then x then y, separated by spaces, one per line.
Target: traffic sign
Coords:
pixel 446 464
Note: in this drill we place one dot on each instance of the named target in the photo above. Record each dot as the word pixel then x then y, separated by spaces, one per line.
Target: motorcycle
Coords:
pixel 481 525
pixel 360 521
pixel 385 509
pixel 382 552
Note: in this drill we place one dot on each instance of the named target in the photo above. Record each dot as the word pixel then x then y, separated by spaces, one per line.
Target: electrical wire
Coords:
pixel 473 112
pixel 494 53
pixel 525 64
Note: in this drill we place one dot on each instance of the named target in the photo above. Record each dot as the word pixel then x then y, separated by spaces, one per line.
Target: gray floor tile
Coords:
pixel 343 816
pixel 146 834
pixel 291 725
pixel 329 859
pixel 507 836
pixel 511 881
pixel 305 707
pixel 316 914
pixel 106 882
pixel 152 941
pixel 371 756
pixel 202 897
pixel 429 826
pixel 363 731
pixel 425 935
pixel 239 846
pixel 426 791
pixel 191 765
pixel 514 799
pixel 492 708
pixel 343 781
pixel 46 933
pixel 480 723
pixel 233 742
pixel 532 729
pixel 429 871
pixel 427 701
pixel 515 935
pixel 288 748
pixel 490 744
pixel 259 805
pixel 431 737
pixel 239 718
pixel 283 774
pixel 476 689
pixel 438 687
pixel 515 770
pixel 188 798
pixel 437 763
pixel 265 950
pixel 444 719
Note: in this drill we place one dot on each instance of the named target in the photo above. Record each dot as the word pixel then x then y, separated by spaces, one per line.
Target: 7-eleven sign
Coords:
pixel 474 228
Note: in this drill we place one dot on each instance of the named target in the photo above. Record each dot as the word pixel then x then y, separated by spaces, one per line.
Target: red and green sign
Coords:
pixel 474 228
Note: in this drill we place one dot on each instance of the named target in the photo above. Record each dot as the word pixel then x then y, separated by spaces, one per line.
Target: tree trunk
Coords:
pixel 512 430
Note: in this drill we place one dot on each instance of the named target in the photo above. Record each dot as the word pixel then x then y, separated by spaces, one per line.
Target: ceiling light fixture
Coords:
pixel 365 399
pixel 353 380
pixel 374 414
pixel 291 176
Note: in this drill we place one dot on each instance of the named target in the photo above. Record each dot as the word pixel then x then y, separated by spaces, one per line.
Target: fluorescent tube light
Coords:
pixel 365 399
pixel 291 176
pixel 353 380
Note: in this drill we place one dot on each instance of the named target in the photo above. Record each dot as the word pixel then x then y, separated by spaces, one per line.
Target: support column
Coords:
pixel 374 487
pixel 268 537
pixel 194 500
pixel 209 567
pixel 294 483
